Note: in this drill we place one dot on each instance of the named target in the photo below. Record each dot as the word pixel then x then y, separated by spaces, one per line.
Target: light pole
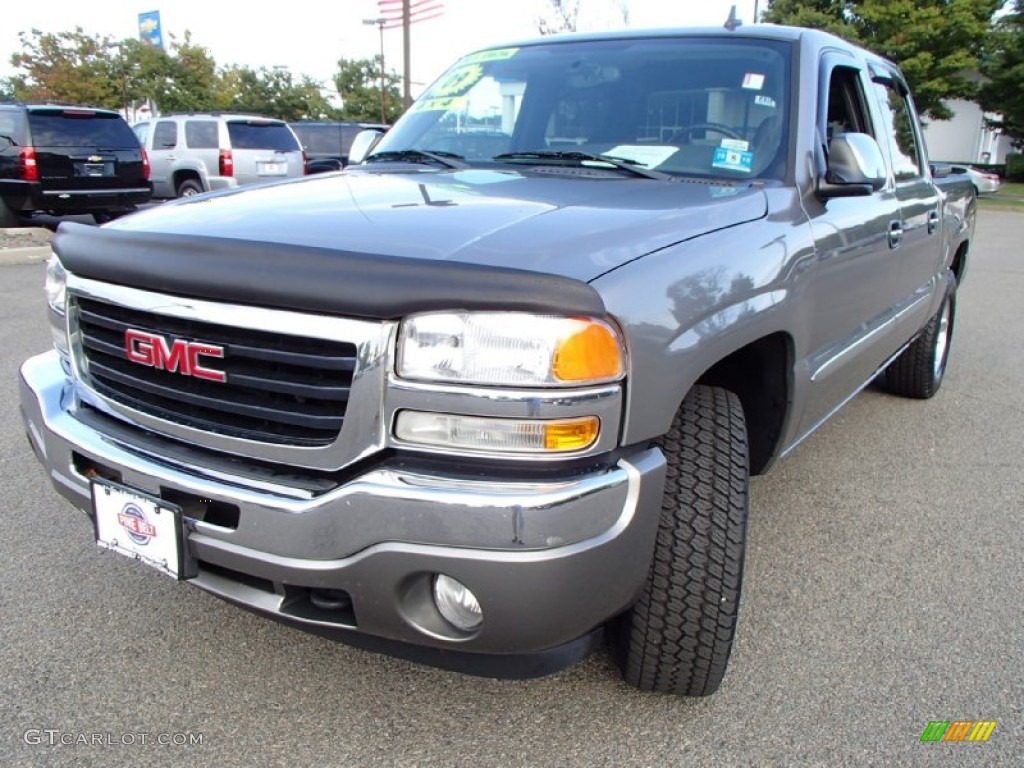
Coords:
pixel 379 23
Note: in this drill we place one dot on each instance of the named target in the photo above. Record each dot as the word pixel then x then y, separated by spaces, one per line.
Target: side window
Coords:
pixel 847 110
pixel 201 134
pixel 165 136
pixel 898 125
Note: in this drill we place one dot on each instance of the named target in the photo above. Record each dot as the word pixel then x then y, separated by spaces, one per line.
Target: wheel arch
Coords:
pixel 185 174
pixel 760 374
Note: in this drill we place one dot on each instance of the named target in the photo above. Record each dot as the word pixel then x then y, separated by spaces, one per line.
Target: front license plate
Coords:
pixel 139 526
pixel 273 169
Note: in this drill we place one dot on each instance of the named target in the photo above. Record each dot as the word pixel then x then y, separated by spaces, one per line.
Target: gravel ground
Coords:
pixel 24 237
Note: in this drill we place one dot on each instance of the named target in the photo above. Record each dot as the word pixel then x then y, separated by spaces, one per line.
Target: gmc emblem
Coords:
pixel 179 356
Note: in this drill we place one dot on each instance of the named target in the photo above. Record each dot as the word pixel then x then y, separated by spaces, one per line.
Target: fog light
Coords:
pixel 456 603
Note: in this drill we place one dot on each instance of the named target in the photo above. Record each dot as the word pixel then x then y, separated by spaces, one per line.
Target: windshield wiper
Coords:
pixel 621 163
pixel 439 156
pixel 5 136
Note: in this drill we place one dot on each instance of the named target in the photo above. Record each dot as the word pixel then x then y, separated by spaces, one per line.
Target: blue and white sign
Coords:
pixel 149 29
pixel 733 160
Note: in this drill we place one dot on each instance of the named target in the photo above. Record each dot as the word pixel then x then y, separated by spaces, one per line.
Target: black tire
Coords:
pixel 8 218
pixel 188 188
pixel 920 368
pixel 678 636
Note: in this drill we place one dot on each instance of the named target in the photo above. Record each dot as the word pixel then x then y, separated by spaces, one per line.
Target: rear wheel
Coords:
pixel 920 368
pixel 8 218
pixel 678 636
pixel 189 188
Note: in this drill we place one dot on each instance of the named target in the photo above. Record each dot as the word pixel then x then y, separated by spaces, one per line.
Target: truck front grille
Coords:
pixel 276 389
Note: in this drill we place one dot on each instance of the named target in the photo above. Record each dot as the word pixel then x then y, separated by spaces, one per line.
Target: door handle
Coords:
pixel 895 233
pixel 933 222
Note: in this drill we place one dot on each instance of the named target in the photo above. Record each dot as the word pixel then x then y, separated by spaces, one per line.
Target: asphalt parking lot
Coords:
pixel 883 590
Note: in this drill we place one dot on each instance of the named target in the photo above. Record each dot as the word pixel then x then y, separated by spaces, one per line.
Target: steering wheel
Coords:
pixel 682 134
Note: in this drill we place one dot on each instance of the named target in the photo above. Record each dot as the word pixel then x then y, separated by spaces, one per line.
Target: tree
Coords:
pixel 358 84
pixel 79 68
pixel 275 93
pixel 561 16
pixel 67 67
pixel 564 16
pixel 937 43
pixel 1004 68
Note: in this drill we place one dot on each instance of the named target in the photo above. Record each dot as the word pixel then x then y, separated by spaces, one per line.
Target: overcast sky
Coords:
pixel 308 37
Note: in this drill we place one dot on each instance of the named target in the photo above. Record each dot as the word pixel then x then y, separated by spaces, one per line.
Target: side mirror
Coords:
pixel 855 167
pixel 362 144
pixel 942 170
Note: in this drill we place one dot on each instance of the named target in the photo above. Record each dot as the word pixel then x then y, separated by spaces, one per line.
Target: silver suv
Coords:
pixel 195 153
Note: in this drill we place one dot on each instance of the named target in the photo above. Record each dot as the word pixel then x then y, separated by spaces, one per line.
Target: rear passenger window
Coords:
pixel 898 122
pixel 165 135
pixel 201 134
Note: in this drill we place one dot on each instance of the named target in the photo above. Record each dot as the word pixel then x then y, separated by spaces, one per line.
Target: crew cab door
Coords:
pixel 920 247
pixel 858 284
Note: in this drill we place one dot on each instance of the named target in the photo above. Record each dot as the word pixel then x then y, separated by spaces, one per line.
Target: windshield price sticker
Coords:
pixel 753 81
pixel 499 55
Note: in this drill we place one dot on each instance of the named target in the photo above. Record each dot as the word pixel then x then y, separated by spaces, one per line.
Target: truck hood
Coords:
pixel 572 222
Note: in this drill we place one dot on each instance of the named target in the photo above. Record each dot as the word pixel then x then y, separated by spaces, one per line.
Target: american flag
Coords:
pixel 419 10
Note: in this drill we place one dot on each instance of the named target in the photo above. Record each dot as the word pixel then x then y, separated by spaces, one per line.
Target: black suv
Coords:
pixel 68 160
pixel 326 144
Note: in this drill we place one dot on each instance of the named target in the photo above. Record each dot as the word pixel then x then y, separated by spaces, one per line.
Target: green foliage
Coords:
pixel 937 43
pixel 78 68
pixel 1015 167
pixel 358 83
pixel 275 93
pixel 67 67
pixel 1004 67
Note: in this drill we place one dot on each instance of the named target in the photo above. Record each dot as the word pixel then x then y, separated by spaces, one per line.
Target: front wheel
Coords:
pixel 678 636
pixel 920 368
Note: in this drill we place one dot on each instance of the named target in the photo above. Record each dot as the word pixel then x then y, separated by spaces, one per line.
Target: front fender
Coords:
pixel 686 308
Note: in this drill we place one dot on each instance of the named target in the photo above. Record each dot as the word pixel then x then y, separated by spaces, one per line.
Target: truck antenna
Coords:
pixel 733 22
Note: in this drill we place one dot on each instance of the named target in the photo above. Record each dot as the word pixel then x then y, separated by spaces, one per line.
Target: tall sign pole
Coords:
pixel 406 67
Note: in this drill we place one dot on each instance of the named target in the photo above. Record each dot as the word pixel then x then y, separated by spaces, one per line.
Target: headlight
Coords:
pixel 56 285
pixel 509 349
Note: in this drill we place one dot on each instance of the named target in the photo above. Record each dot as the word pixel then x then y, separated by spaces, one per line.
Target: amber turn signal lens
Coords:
pixel 591 353
pixel 573 435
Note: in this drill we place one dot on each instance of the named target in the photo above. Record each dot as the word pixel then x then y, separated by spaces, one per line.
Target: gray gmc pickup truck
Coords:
pixel 495 393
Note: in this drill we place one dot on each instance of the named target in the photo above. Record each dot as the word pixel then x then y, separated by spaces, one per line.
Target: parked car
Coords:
pixel 195 153
pixel 985 182
pixel 481 412
pixel 68 160
pixel 327 144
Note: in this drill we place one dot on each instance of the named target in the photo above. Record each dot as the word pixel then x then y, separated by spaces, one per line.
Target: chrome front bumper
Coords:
pixel 549 560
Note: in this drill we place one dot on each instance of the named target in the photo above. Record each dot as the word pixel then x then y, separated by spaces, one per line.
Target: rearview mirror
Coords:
pixel 362 144
pixel 855 167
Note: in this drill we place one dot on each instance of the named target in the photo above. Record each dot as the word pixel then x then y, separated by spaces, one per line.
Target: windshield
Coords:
pixel 707 107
